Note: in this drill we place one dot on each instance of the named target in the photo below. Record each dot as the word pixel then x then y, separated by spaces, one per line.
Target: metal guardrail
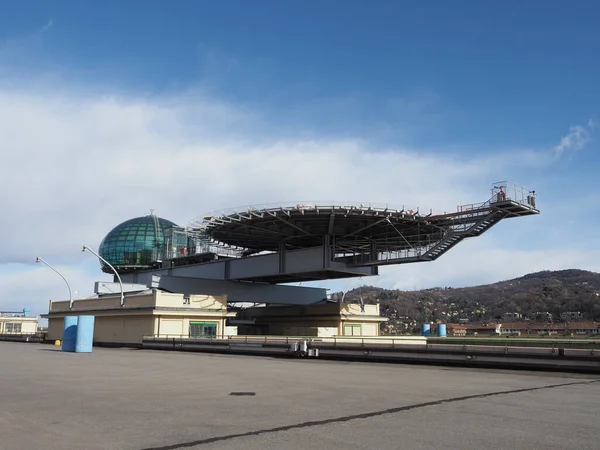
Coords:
pixel 22 337
pixel 322 205
pixel 507 189
pixel 374 344
pixel 522 342
pixel 362 340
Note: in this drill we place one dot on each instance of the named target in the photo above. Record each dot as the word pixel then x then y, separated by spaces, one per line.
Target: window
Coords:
pixel 13 327
pixel 352 329
pixel 203 329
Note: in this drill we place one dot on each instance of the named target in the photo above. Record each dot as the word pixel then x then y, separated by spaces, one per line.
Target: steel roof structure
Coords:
pixel 364 234
pixel 249 252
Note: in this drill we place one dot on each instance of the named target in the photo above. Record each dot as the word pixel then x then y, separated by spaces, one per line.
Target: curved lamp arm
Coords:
pixel 40 260
pixel 85 247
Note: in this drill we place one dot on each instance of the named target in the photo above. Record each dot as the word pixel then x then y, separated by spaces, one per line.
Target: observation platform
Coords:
pixel 364 233
pixel 312 241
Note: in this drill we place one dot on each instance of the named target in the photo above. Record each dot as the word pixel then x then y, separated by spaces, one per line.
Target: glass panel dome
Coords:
pixel 136 243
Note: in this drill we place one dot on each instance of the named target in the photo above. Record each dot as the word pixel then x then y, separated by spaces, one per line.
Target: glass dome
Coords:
pixel 135 244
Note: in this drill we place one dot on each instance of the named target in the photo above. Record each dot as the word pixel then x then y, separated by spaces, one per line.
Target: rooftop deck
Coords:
pixel 143 399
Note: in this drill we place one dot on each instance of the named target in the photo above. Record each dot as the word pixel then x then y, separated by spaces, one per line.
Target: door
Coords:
pixel 203 329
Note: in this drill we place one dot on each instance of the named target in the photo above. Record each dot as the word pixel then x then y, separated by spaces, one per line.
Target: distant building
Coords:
pixel 549 329
pixel 486 329
pixel 571 315
pixel 512 316
pixel 455 329
pixel 541 316
pixel 17 323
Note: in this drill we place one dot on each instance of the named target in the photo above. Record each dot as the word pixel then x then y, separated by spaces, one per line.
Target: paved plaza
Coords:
pixel 144 399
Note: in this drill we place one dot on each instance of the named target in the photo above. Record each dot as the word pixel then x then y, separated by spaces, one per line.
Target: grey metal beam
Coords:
pixel 331 222
pixel 293 225
pixel 243 292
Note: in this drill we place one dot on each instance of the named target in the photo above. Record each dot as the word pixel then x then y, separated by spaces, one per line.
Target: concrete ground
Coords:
pixel 143 399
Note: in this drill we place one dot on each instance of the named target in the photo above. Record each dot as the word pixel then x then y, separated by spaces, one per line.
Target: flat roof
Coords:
pixel 145 399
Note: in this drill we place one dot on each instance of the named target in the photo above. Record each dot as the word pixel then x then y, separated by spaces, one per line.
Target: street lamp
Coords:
pixel 40 260
pixel 85 247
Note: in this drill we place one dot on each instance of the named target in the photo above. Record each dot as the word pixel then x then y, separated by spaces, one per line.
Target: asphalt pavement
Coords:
pixel 146 399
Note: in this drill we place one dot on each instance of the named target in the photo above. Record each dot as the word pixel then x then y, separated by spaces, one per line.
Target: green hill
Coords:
pixel 554 292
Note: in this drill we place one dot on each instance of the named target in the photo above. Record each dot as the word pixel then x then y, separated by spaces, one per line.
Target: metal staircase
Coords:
pixel 484 224
pixel 454 237
pixel 442 247
pixel 507 200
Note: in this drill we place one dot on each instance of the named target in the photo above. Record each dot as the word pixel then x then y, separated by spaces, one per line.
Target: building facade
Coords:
pixel 318 320
pixel 147 314
pixel 17 323
pixel 161 314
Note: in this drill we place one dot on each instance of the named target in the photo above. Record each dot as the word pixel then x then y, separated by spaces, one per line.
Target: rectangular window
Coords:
pixel 14 328
pixel 203 329
pixel 352 329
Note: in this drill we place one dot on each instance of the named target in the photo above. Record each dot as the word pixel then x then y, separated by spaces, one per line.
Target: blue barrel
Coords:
pixel 69 334
pixel 425 329
pixel 85 334
pixel 441 330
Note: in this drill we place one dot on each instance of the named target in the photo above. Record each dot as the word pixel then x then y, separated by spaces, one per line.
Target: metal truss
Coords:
pixel 360 234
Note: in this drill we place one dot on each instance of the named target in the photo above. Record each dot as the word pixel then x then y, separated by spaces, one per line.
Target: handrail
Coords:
pixel 361 344
pixel 296 205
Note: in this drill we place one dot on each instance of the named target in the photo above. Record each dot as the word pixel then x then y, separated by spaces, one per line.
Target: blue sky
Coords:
pixel 435 100
pixel 480 72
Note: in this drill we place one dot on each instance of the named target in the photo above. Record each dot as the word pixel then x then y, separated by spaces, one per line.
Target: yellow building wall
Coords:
pixel 208 301
pixel 110 329
pixel 171 327
pixel 55 328
pixel 28 325
pixel 123 329
pixel 129 329
pixel 370 329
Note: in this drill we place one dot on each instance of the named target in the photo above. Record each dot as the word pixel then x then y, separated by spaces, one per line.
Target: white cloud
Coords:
pixel 76 166
pixel 76 163
pixel 579 137
pixel 476 261
pixel 32 286
pixel 46 27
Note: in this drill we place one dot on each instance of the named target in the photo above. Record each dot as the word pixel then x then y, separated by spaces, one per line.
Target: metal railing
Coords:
pixel 385 344
pixel 266 340
pixel 296 206
pixel 509 191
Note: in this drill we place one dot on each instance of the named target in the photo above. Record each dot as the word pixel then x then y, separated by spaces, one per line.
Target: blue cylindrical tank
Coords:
pixel 85 334
pixel 69 334
pixel 441 330
pixel 425 329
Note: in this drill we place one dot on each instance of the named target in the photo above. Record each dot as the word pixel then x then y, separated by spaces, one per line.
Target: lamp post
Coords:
pixel 85 247
pixel 40 260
